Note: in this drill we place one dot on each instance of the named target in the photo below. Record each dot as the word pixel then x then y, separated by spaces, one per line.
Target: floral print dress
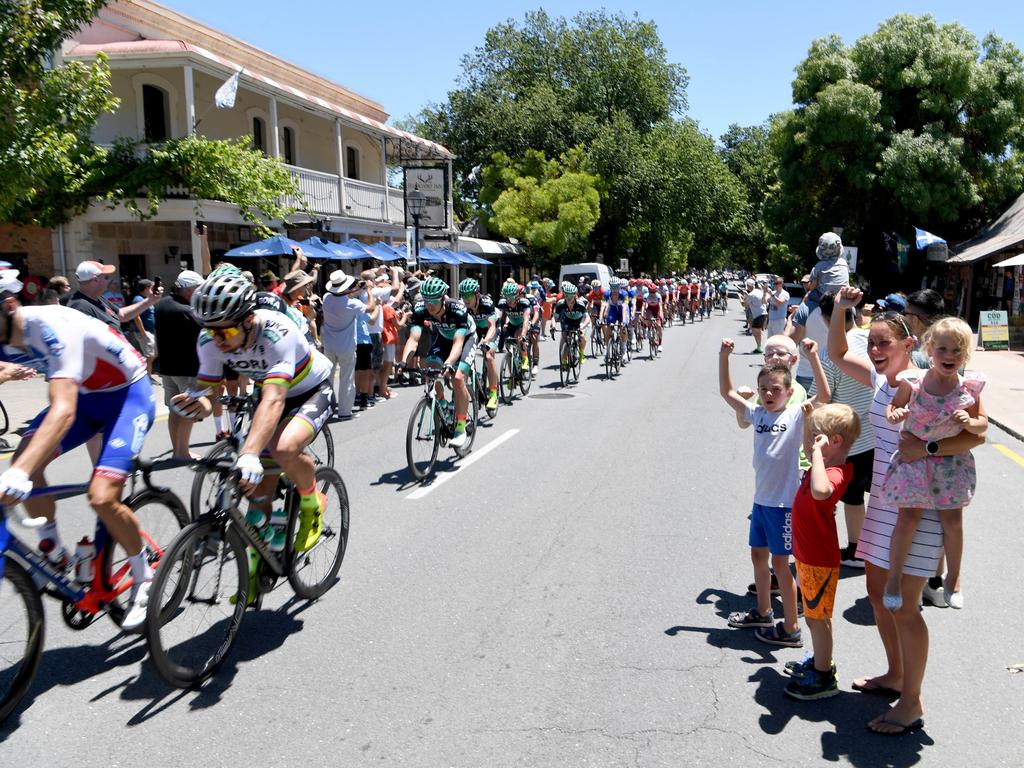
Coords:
pixel 934 482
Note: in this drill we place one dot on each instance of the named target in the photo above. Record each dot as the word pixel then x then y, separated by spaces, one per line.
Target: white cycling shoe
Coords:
pixel 135 616
pixel 458 440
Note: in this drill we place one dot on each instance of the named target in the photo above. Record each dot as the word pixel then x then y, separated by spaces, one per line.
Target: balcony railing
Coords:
pixel 322 192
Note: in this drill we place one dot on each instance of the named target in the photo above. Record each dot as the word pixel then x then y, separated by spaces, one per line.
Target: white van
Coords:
pixel 590 271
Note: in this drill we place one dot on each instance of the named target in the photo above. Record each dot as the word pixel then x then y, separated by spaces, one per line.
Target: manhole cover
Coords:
pixel 550 396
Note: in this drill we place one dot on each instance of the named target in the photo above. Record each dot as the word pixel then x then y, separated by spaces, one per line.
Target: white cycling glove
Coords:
pixel 250 467
pixel 16 484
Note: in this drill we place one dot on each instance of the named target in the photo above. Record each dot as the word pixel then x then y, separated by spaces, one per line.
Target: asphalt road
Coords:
pixel 559 602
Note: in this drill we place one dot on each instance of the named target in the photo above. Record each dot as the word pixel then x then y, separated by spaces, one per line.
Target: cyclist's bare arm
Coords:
pixel 411 344
pixel 58 420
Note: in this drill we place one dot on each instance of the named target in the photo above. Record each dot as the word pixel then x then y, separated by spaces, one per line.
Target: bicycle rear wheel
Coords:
pixel 472 418
pixel 526 376
pixel 197 603
pixel 422 439
pixel 161 517
pixel 22 628
pixel 322 447
pixel 204 484
pixel 313 572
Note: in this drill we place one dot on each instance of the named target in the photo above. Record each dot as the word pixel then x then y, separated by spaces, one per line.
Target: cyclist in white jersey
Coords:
pixel 296 397
pixel 97 385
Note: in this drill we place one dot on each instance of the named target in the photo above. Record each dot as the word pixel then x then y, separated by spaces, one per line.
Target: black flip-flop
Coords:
pixel 876 690
pixel 903 728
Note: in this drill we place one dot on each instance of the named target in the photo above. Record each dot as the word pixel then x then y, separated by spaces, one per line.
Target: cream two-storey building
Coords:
pixel 166 68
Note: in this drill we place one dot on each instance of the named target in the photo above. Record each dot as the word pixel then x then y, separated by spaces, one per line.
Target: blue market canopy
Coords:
pixel 345 252
pixel 278 245
pixel 315 248
pixel 384 252
pixel 430 256
pixel 465 258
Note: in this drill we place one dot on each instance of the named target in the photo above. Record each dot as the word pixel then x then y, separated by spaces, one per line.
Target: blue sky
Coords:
pixel 739 55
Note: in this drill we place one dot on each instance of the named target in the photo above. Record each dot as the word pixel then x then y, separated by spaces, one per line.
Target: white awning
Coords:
pixel 489 247
pixel 1013 261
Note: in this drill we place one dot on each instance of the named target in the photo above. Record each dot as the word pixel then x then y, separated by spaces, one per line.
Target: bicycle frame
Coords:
pixel 90 598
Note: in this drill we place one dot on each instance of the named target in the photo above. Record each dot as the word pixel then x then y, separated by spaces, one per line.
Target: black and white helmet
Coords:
pixel 223 298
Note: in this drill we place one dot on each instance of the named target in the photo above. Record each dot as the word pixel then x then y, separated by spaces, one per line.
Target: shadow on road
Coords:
pixel 848 713
pixel 260 633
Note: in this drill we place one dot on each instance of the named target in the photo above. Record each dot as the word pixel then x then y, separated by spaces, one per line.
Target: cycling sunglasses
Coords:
pixel 432 302
pixel 225 333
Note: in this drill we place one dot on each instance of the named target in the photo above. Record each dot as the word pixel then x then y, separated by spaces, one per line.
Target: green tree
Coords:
pixel 916 123
pixel 49 168
pixel 551 205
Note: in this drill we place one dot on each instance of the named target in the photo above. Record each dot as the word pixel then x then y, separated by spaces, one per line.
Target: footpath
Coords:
pixel 1003 395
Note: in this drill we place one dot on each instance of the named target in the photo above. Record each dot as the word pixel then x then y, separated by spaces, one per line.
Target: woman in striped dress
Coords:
pixel 904 633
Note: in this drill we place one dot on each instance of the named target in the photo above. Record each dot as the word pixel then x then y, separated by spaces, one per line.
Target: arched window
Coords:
pixel 352 162
pixel 288 148
pixel 259 134
pixel 155 110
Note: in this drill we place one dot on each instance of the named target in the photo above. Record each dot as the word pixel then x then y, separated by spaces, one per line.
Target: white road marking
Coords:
pixel 463 465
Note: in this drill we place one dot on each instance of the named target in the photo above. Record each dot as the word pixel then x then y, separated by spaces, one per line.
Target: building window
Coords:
pixel 258 135
pixel 352 162
pixel 154 113
pixel 288 144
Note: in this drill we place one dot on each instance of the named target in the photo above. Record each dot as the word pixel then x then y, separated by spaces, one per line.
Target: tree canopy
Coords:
pixel 917 123
pixel 49 168
pixel 601 84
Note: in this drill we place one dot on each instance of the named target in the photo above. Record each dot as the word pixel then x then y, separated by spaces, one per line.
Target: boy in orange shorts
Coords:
pixel 829 431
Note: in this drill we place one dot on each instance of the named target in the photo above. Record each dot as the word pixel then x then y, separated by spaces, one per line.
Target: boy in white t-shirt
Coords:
pixel 778 434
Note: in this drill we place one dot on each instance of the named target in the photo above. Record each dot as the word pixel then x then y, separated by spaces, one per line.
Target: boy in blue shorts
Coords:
pixel 778 434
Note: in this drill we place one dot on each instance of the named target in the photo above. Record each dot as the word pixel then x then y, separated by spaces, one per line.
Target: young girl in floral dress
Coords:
pixel 932 405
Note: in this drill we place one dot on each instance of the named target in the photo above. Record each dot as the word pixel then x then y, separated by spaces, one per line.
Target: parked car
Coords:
pixel 796 293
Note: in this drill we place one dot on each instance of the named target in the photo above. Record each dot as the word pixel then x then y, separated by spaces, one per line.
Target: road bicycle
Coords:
pixel 432 425
pixel 653 339
pixel 614 351
pixel 321 448
pixel 223 563
pixel 513 373
pixel 596 338
pixel 569 356
pixel 85 587
pixel 481 384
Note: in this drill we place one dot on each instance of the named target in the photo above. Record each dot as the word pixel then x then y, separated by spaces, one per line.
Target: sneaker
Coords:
pixel 310 526
pixel 953 599
pixel 751 619
pixel 813 685
pixel 934 596
pixel 458 439
pixel 534 371
pixel 752 588
pixel 798 668
pixel 135 615
pixel 848 557
pixel 778 636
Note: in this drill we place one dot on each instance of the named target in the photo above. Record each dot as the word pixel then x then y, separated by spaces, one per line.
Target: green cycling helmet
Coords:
pixel 433 288
pixel 468 287
pixel 510 290
pixel 569 289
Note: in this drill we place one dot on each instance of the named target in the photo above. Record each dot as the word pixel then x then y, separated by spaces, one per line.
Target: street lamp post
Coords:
pixel 416 201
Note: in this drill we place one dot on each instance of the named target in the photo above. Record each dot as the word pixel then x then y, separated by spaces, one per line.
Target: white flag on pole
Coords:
pixel 225 96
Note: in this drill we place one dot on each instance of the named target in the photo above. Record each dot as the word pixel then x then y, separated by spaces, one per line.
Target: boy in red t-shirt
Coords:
pixel 829 431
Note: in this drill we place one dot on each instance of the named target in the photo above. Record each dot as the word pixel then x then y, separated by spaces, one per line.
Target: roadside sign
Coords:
pixel 994 330
pixel 624 265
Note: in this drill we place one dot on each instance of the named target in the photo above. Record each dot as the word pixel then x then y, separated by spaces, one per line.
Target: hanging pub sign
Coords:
pixel 937 252
pixel 993 330
pixel 432 181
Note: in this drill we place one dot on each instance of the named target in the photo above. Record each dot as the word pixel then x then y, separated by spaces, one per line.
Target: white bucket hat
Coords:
pixel 340 282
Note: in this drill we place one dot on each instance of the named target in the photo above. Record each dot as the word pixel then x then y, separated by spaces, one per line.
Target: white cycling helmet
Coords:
pixel 224 298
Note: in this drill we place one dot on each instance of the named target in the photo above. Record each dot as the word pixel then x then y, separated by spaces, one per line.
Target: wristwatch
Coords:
pixel 931 447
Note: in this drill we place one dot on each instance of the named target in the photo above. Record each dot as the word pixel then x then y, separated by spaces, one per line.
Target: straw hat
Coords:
pixel 339 282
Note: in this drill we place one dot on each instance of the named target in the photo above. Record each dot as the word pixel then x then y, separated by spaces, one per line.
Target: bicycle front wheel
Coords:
pixel 574 359
pixel 507 378
pixel 526 375
pixel 422 439
pixel 22 627
pixel 161 517
pixel 197 603
pixel 313 572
